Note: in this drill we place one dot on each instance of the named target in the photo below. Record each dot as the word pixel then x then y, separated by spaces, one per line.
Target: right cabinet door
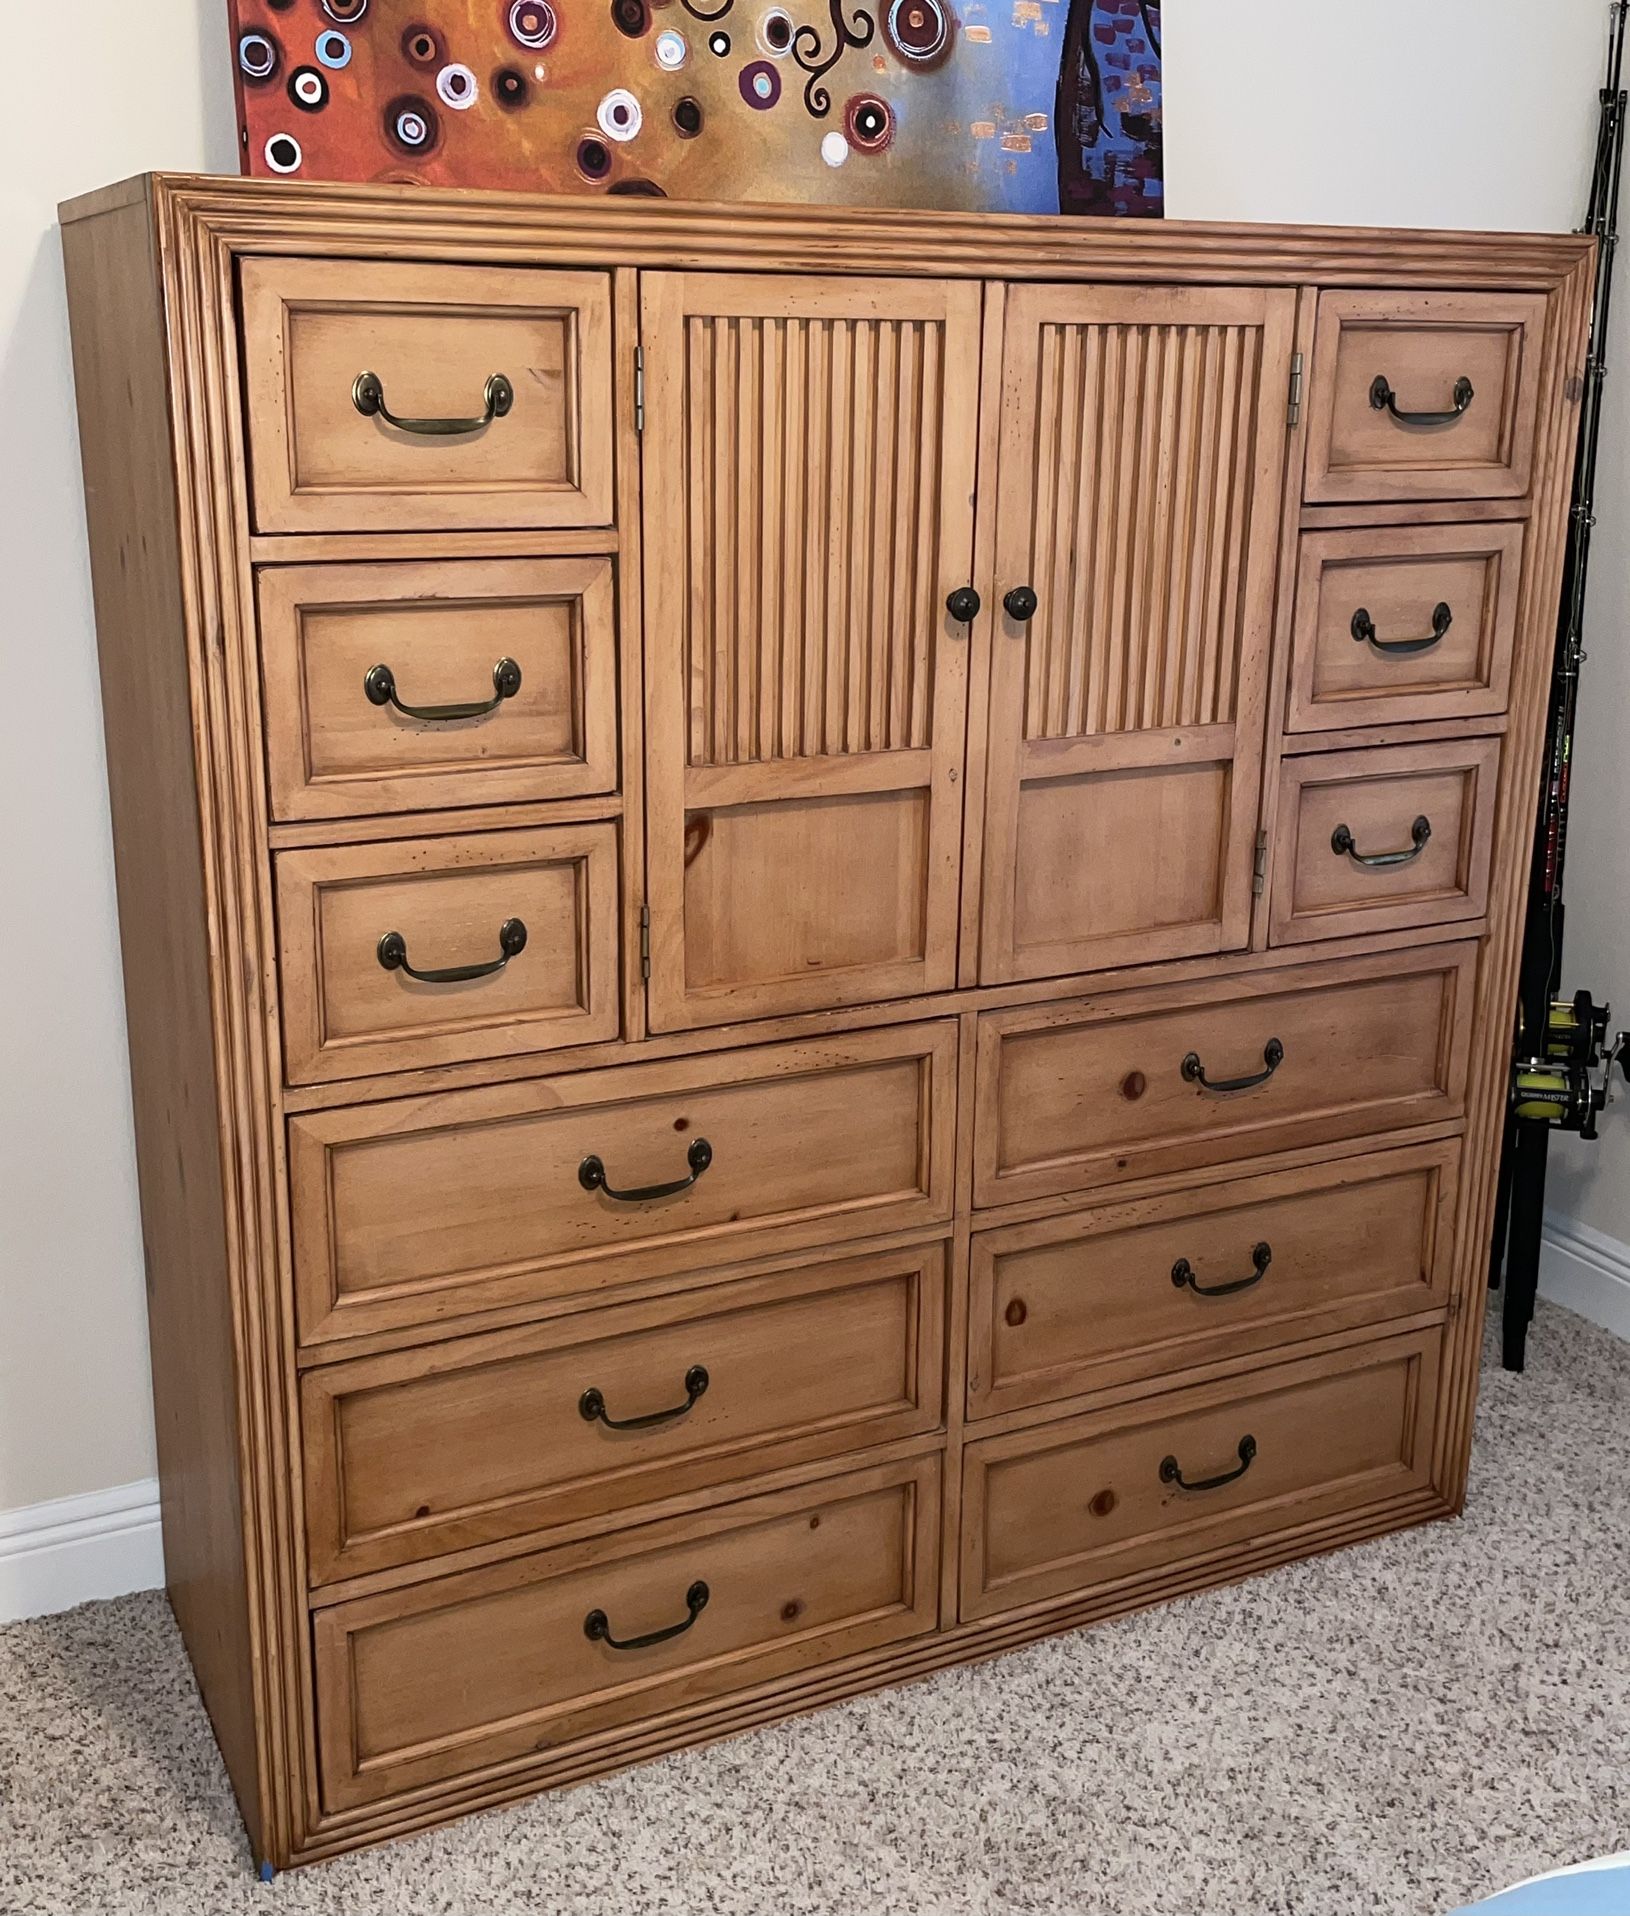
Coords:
pixel 1142 462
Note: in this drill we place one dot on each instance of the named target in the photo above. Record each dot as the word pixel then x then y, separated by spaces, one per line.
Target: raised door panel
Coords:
pixel 1142 456
pixel 809 473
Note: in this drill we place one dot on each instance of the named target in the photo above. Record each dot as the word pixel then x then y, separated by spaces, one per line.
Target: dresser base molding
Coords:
pixel 241 1168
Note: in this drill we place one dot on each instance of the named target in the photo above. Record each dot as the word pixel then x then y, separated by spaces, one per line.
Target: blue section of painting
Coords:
pixel 1079 84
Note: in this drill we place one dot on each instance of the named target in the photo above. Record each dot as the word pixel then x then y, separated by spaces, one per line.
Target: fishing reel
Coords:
pixel 1572 1084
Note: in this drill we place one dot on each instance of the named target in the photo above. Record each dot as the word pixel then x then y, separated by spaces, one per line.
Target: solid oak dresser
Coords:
pixel 820 912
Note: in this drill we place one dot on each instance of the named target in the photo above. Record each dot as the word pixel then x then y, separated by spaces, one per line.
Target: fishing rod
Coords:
pixel 1562 1069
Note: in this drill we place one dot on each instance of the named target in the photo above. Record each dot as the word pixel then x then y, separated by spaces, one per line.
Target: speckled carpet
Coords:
pixel 1396 1729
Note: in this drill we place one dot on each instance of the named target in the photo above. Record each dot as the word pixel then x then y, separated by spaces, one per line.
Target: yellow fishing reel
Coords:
pixel 1572 1083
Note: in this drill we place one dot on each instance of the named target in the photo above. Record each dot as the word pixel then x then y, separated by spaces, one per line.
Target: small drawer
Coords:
pixel 1423 395
pixel 1401 623
pixel 420 685
pixel 413 1211
pixel 1132 1084
pixel 431 950
pixel 1068 1305
pixel 1093 1501
pixel 387 398
pixel 1382 840
pixel 453 1677
pixel 426 1451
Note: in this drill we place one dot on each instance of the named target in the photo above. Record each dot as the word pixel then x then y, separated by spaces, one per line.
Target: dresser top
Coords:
pixel 405 221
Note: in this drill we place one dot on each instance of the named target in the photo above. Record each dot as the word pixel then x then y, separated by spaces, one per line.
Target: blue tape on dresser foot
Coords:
pixel 268 1872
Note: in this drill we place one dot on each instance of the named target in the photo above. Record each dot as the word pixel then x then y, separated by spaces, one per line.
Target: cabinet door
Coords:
pixel 1142 458
pixel 808 481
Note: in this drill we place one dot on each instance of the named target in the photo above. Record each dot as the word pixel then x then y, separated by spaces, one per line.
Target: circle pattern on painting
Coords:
pixel 869 123
pixel 283 153
pixel 308 89
pixel 760 84
pixel 670 50
pixel 919 31
pixel 258 57
pixel 593 161
pixel 456 87
pixel 411 124
pixel 618 114
pixel 532 23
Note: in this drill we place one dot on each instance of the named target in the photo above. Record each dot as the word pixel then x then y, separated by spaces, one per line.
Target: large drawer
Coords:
pixel 451 1677
pixel 1135 1083
pixel 1088 1501
pixel 429 951
pixel 1386 840
pixel 1066 1305
pixel 1423 395
pixel 1398 623
pixel 390 397
pixel 413 1211
pixel 425 1451
pixel 425 683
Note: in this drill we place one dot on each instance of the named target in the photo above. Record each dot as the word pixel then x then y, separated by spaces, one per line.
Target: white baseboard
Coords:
pixel 1587 1271
pixel 104 1544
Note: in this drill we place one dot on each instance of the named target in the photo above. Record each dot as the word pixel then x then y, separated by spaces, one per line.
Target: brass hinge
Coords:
pixel 1259 870
pixel 645 941
pixel 639 389
pixel 1294 416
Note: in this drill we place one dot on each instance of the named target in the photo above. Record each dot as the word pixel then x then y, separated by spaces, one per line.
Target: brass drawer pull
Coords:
pixel 392 952
pixel 591 1174
pixel 1363 629
pixel 592 1405
pixel 368 396
pixel 597 1627
pixel 1171 1471
pixel 1341 843
pixel 1183 1275
pixel 380 686
pixel 1273 1056
pixel 1384 399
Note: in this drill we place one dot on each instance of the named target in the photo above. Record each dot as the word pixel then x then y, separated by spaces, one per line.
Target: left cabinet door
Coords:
pixel 808 484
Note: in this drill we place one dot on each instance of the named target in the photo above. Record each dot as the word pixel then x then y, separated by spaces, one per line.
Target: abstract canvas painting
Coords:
pixel 1032 106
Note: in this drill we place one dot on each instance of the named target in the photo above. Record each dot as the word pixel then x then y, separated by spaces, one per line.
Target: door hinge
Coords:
pixel 1259 868
pixel 1294 415
pixel 639 389
pixel 645 941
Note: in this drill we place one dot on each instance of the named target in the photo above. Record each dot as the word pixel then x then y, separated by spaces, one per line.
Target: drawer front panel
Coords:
pixel 411 1212
pixel 427 1451
pixel 356 922
pixel 1074 1505
pixel 1109 1089
pixel 443 344
pixel 1383 840
pixel 367 667
pixel 1461 372
pixel 1064 1306
pixel 450 1677
pixel 1403 623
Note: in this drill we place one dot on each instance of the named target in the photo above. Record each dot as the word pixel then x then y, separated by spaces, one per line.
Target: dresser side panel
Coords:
pixel 116 307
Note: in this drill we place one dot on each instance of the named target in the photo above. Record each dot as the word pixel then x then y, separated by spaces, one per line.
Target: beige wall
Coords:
pixel 1406 112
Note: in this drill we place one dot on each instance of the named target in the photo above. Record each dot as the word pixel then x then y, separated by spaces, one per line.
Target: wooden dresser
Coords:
pixel 820 912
